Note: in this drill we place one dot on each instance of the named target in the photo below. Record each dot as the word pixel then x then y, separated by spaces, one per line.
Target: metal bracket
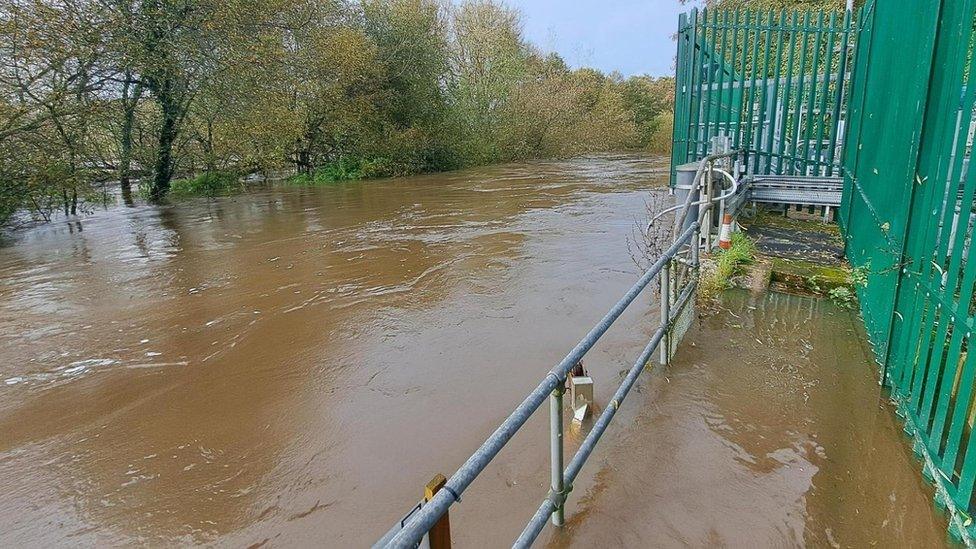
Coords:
pixel 558 499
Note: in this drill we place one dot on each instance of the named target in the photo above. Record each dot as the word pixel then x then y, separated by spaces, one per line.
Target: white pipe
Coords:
pixel 735 189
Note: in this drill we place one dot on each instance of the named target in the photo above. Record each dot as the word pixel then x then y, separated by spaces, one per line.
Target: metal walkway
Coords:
pixel 802 190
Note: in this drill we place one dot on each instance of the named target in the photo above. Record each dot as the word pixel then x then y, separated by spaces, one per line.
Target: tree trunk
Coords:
pixel 163 169
pixel 130 101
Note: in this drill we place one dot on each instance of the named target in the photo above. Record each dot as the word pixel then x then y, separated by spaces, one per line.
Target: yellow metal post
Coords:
pixel 440 535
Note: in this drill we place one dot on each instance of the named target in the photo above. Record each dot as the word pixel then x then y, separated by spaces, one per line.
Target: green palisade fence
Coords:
pixel 908 220
pixel 883 99
pixel 774 82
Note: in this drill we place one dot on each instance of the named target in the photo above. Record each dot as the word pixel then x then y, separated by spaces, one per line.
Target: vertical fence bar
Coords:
pixel 556 486
pixel 680 137
pixel 760 146
pixel 722 69
pixel 665 344
pixel 787 89
pixel 740 103
pixel 733 75
pixel 839 95
pixel 753 69
pixel 713 68
pixel 822 117
pixel 812 100
pixel 804 36
pixel 708 72
pixel 774 122
pixel 694 87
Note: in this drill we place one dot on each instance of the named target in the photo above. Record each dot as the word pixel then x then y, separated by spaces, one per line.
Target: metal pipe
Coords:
pixel 424 520
pixel 556 454
pixel 680 217
pixel 731 193
pixel 538 521
pixel 708 195
pixel 665 305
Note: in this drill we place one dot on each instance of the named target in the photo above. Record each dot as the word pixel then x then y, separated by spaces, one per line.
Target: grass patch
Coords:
pixel 727 264
pixel 345 169
pixel 207 184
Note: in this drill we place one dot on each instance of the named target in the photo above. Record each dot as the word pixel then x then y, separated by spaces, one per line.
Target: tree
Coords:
pixel 488 61
pixel 333 89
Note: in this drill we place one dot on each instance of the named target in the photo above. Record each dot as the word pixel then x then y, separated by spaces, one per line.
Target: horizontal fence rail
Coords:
pixel 774 82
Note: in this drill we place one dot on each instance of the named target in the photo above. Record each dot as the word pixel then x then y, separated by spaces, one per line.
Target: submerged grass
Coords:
pixel 344 169
pixel 206 184
pixel 218 183
pixel 727 264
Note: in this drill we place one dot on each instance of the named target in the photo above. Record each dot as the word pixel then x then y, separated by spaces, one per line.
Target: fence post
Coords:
pixel 440 535
pixel 706 206
pixel 665 345
pixel 557 492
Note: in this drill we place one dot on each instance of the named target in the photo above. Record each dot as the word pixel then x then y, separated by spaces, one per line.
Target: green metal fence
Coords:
pixel 884 99
pixel 774 82
pixel 908 220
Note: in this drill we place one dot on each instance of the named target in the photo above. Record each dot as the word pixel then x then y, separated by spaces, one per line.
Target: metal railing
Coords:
pixel 677 271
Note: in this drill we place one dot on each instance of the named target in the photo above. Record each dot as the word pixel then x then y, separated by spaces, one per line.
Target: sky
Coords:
pixel 629 36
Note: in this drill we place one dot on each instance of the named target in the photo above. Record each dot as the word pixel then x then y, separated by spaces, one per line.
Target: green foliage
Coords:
pixel 846 295
pixel 141 90
pixel 859 276
pixel 843 296
pixel 728 264
pixel 11 199
pixel 345 169
pixel 206 184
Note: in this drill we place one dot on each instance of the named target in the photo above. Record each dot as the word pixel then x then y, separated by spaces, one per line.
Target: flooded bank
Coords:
pixel 768 430
pixel 290 366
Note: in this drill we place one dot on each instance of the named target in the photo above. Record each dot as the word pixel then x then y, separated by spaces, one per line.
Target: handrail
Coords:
pixel 696 182
pixel 549 505
pixel 420 522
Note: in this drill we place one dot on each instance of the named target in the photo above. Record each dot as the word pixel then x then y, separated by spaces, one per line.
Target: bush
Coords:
pixel 728 264
pixel 11 197
pixel 207 184
pixel 660 140
pixel 345 169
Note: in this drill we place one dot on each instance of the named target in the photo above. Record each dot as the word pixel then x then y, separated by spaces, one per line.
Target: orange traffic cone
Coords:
pixel 725 236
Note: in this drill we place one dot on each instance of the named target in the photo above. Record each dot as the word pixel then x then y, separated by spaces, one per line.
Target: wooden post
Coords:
pixel 440 534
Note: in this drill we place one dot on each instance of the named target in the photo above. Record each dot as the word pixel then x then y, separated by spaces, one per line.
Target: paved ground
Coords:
pixel 807 240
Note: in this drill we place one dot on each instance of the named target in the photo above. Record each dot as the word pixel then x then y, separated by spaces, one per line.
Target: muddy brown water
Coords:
pixel 290 366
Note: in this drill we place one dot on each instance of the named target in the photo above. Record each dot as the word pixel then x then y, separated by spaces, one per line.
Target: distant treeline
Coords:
pixel 195 94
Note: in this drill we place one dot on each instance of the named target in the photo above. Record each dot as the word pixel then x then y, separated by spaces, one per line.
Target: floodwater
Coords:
pixel 289 367
pixel 768 429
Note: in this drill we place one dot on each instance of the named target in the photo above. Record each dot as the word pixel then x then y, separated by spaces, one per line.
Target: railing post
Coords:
pixel 439 535
pixel 557 492
pixel 707 218
pixel 665 344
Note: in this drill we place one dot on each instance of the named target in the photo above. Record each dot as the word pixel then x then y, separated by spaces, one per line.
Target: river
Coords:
pixel 291 365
